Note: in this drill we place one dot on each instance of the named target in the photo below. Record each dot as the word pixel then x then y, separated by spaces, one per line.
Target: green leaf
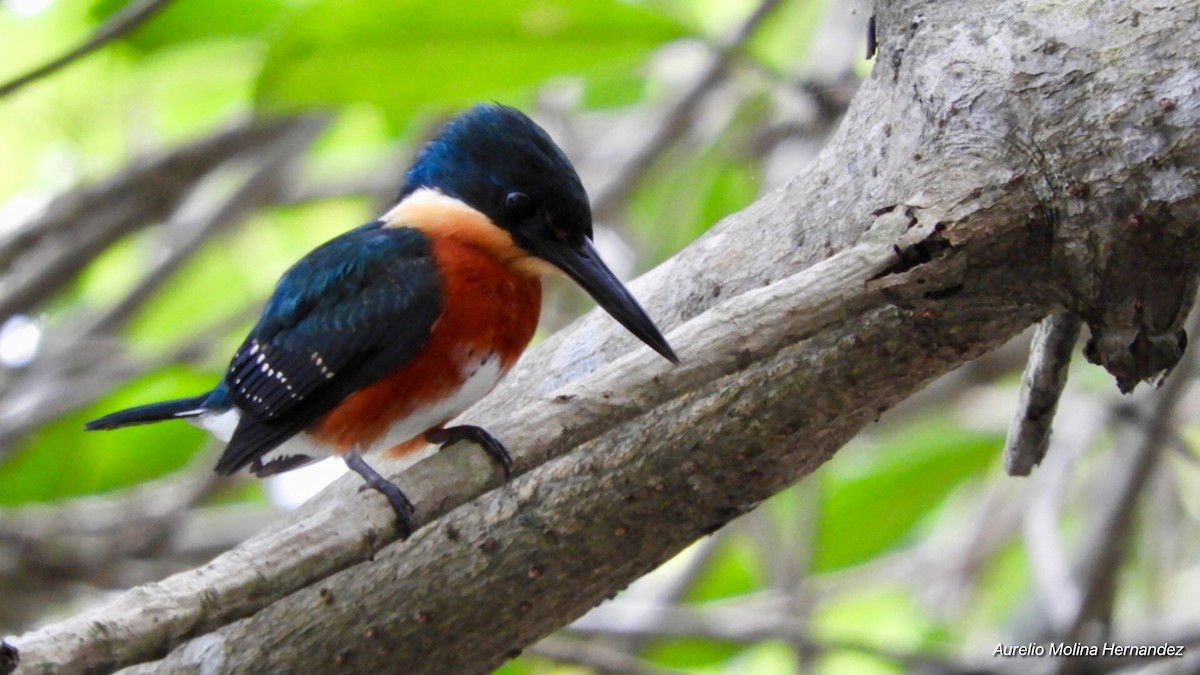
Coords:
pixel 238 271
pixel 770 657
pixel 734 569
pixel 184 21
pixel 692 653
pixel 614 88
pixel 406 55
pixel 675 206
pixel 1004 593
pixel 523 666
pixel 872 504
pixel 62 460
pixel 207 289
pixel 838 662
pixel 883 614
pixel 781 41
pixel 785 38
pixel 689 190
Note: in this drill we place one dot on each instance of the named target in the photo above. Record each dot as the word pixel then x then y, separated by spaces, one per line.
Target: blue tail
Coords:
pixel 155 412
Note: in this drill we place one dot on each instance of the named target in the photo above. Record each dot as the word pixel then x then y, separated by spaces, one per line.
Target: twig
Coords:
pixel 596 656
pixel 789 549
pixel 1058 591
pixel 88 531
pixel 129 18
pixel 669 591
pixel 207 531
pixel 738 625
pixel 61 387
pixel 47 253
pixel 575 527
pixel 377 180
pixel 1041 387
pixel 1108 546
pixel 261 187
pixel 677 120
pixel 1184 448
pixel 71 549
pixel 321 543
pixel 42 396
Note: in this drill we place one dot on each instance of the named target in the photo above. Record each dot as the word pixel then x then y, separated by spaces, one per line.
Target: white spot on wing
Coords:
pixel 320 363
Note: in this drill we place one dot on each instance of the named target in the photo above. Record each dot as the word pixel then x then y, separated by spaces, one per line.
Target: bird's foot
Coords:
pixel 400 504
pixel 494 448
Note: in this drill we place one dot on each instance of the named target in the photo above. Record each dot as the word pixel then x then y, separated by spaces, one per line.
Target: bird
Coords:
pixel 375 340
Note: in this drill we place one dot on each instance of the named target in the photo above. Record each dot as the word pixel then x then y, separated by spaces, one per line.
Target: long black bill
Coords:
pixel 583 264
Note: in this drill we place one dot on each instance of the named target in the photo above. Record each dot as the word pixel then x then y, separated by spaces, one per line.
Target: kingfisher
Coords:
pixel 374 341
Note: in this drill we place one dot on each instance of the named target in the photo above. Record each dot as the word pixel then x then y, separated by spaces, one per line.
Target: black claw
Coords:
pixel 400 504
pixel 494 448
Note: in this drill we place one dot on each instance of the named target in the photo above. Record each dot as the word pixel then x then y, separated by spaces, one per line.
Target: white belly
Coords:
pixel 479 377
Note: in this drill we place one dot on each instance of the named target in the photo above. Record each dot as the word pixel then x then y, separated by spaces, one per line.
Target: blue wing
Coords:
pixel 351 311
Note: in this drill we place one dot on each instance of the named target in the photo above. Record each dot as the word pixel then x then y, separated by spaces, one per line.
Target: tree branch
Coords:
pixel 1106 549
pixel 954 208
pixel 47 253
pixel 55 548
pixel 596 656
pixel 1041 387
pixel 122 23
pixel 739 625
pixel 262 185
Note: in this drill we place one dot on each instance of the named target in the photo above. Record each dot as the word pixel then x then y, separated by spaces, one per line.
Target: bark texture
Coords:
pixel 1004 160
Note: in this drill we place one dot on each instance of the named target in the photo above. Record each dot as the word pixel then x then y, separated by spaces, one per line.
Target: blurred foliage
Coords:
pixel 192 22
pixel 53 463
pixel 387 69
pixel 411 55
pixel 202 61
pixel 882 495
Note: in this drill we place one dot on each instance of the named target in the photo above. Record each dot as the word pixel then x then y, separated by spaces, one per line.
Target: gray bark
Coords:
pixel 1004 160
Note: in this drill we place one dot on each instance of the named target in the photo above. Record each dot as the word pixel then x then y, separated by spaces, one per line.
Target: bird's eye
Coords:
pixel 519 205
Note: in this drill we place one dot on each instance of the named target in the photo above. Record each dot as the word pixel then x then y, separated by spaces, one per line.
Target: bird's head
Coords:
pixel 496 161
